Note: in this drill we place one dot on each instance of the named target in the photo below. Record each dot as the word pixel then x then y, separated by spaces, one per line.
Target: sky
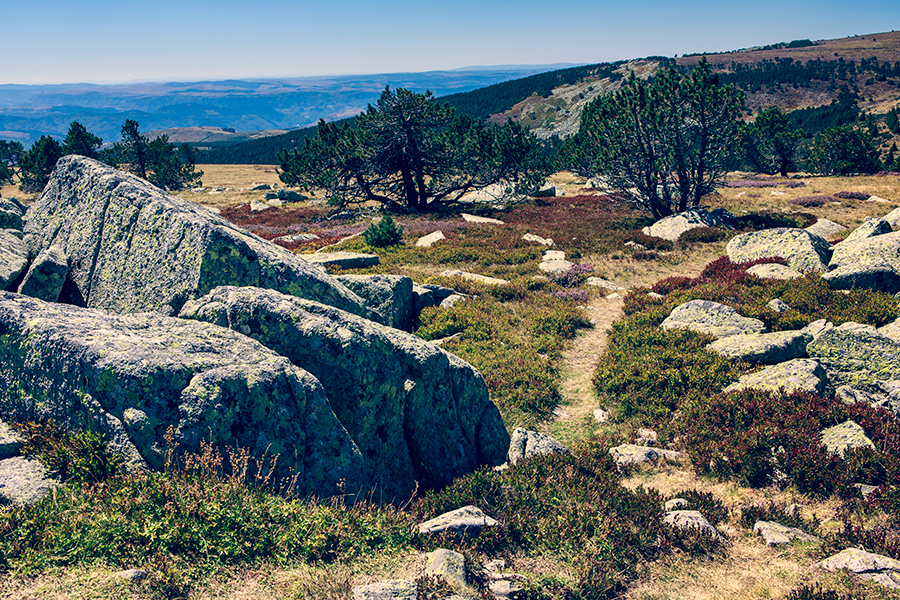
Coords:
pixel 106 41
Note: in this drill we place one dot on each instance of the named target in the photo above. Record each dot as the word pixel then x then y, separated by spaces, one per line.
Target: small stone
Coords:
pixel 296 237
pixel 675 504
pixel 601 416
pixel 631 454
pixel 866 490
pixel 131 574
pixel 448 564
pixel 344 260
pixel 603 283
pixel 476 219
pixel 776 534
pixel 257 206
pixel 847 435
pixel 427 241
pixel 395 589
pixel 524 443
pixel 474 277
pixel 691 519
pixel 881 569
pixel 778 305
pixel 461 523
pixel 530 237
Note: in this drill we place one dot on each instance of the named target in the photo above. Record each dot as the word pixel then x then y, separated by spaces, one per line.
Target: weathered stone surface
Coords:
pixel 133 248
pixel 16 233
pixel 476 219
pixel 450 301
pixel 474 277
pixel 389 296
pixel 46 276
pixel 691 519
pixel 427 241
pixel 711 318
pixel 776 534
pixel 762 348
pixel 869 228
pixel 10 443
pixel 13 259
pixel 825 228
pixel 840 438
pixel 290 195
pixel 415 412
pixel 551 255
pixel 774 271
pixel 132 377
pixel 672 227
pixel 856 355
pixel 802 250
pixel 891 330
pixel 881 569
pixel 778 305
pixel 296 237
pixel 461 523
pixel 530 237
pixel 675 504
pixel 603 283
pixel 798 375
pixel 394 589
pixel 342 259
pixel 448 564
pixel 439 292
pixel 555 266
pixel 524 443
pixel 131 574
pixel 817 328
pixel 24 480
pixel 14 206
pixel 872 263
pixel 632 454
pixel 887 398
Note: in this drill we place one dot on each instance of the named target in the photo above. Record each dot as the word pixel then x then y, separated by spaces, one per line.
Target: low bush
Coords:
pixel 573 276
pixel 852 195
pixel 704 235
pixel 384 233
pixel 772 220
pixel 812 201
pixel 75 456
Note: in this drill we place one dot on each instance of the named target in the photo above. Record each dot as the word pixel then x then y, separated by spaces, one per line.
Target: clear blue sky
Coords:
pixel 69 41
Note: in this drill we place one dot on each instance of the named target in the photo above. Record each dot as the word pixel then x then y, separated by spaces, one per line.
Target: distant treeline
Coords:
pixel 261 151
pixel 842 111
pixel 787 71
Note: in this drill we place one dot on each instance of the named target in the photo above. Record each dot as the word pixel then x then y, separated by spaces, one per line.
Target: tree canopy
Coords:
pixel 158 161
pixel 665 142
pixel 38 164
pixel 10 159
pixel 412 151
pixel 844 150
pixel 81 141
pixel 770 143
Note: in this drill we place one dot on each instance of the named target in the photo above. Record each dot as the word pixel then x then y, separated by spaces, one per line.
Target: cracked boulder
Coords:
pixel 803 251
pixel 712 318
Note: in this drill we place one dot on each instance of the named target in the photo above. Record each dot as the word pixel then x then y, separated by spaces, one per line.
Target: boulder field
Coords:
pixel 172 322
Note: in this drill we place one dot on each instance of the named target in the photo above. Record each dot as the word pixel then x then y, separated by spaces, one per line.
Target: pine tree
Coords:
pixel 38 164
pixel 81 141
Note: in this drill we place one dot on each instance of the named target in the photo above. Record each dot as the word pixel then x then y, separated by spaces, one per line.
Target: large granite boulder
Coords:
pixel 46 276
pixel 870 228
pixel 133 248
pixel 132 377
pixel 712 318
pixel 762 348
pixel 802 250
pixel 825 228
pixel 671 227
pixel 874 567
pixel 798 375
pixel 846 435
pixel 856 355
pixel 13 259
pixel 416 412
pixel 390 296
pixel 525 443
pixel 872 262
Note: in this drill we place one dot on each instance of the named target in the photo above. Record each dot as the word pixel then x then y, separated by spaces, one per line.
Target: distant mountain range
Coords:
pixel 29 111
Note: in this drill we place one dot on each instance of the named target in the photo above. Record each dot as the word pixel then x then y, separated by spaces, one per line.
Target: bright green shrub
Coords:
pixel 385 233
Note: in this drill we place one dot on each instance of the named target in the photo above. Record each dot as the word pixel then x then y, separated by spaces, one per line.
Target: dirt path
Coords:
pixel 580 359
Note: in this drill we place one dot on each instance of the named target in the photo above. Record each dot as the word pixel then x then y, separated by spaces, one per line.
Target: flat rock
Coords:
pixel 476 219
pixel 872 263
pixel 415 412
pixel 296 237
pixel 446 563
pixel 774 271
pixel 869 228
pixel 461 523
pixel 394 589
pixel 552 255
pixel 880 569
pixel 632 454
pixel 390 296
pixel 524 443
pixel 797 375
pixel 604 284
pixel 675 504
pixel 712 318
pixel 825 228
pixel 779 306
pixel 555 266
pixel 427 241
pixel 134 248
pixel 24 480
pixel 776 534
pixel 840 438
pixel 803 251
pixel 691 519
pixel 672 227
pixel 530 237
pixel 131 377
pixel 856 355
pixel 46 276
pixel 762 348
pixel 13 259
pixel 474 277
pixel 342 259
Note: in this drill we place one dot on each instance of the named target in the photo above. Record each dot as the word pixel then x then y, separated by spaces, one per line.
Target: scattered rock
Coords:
pixel 865 490
pixel 711 318
pixel 672 227
pixel 874 567
pixel 600 415
pixel 762 348
pixel 476 219
pixel 13 259
pixel 427 241
pixel 524 443
pixel 776 534
pixel 46 276
pixel 450 301
pixel 461 523
pixel 798 375
pixel 260 186
pixel 394 589
pixel 603 283
pixel 825 228
pixel 474 277
pixel 779 306
pixel 872 263
pixel 415 412
pixel 296 237
pixel 869 228
pixel 448 564
pixel 290 195
pixel 257 206
pixel 877 199
pixel 802 250
pixel 342 259
pixel 675 504
pixel 646 437
pixel 691 519
pixel 132 574
pixel 390 296
pixel 24 480
pixel 133 248
pixel 774 271
pixel 856 355
pixel 817 328
pixel 631 454
pixel 530 237
pixel 844 436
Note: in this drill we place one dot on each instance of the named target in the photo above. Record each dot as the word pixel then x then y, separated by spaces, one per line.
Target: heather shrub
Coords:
pixel 772 220
pixel 852 195
pixel 704 235
pixel 573 276
pixel 811 201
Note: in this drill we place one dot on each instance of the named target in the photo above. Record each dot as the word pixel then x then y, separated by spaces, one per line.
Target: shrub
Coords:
pixel 573 276
pixel 385 233
pixel 770 220
pixel 77 456
pixel 852 195
pixel 704 235
pixel 811 201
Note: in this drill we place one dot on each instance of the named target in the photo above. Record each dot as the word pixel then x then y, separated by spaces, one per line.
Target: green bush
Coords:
pixel 76 456
pixel 383 234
